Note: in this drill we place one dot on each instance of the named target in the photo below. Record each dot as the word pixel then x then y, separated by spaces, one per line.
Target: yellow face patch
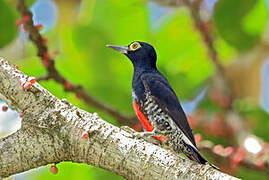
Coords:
pixel 134 46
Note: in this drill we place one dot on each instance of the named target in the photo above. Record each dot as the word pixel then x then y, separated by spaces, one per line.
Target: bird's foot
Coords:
pixel 147 136
pixel 127 129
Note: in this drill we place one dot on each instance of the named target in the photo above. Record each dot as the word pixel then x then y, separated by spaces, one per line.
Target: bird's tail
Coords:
pixel 197 156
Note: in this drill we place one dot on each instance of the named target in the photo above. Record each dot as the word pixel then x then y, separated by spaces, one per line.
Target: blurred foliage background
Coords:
pixel 78 30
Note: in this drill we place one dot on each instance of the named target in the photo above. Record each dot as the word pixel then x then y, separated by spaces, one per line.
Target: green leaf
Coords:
pixel 8 29
pixel 237 22
pixel 255 22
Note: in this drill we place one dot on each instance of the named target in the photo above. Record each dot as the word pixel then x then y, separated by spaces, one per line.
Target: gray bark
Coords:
pixel 51 133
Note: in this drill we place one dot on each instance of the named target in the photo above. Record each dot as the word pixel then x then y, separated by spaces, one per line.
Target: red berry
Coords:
pixel 32 79
pixel 38 26
pixel 198 138
pixel 238 157
pixel 218 149
pixel 228 150
pixel 240 153
pixel 53 169
pixel 21 114
pixel 67 85
pixel 4 108
pixel 27 85
pixel 233 163
pixel 85 135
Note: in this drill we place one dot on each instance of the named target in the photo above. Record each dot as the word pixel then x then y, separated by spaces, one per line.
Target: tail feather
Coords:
pixel 197 156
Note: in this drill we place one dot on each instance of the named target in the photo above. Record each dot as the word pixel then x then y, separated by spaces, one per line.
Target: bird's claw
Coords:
pixel 127 129
pixel 135 134
pixel 147 136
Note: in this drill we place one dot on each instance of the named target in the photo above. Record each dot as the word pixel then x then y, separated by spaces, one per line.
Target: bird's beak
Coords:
pixel 122 49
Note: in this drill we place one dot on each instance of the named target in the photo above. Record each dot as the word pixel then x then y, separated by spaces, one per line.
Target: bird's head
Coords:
pixel 142 55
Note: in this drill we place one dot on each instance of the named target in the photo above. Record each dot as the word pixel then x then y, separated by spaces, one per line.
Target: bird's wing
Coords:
pixel 167 100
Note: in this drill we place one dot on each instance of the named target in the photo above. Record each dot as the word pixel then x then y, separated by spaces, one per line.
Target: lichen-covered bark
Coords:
pixel 51 132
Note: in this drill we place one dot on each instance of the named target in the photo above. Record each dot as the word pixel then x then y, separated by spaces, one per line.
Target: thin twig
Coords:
pixel 194 8
pixel 54 74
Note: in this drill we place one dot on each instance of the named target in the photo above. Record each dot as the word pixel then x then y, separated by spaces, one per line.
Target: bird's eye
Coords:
pixel 134 46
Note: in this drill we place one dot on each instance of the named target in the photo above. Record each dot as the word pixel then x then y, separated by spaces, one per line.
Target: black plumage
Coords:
pixel 156 103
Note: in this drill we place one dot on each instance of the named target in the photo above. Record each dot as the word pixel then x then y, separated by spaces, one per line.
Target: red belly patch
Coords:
pixel 145 122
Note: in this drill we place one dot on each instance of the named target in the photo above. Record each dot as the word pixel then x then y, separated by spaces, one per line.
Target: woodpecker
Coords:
pixel 156 104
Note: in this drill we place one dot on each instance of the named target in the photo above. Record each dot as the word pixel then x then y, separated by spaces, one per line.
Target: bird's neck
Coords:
pixel 142 65
pixel 140 70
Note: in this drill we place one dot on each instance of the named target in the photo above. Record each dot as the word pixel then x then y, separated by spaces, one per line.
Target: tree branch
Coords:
pixel 52 132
